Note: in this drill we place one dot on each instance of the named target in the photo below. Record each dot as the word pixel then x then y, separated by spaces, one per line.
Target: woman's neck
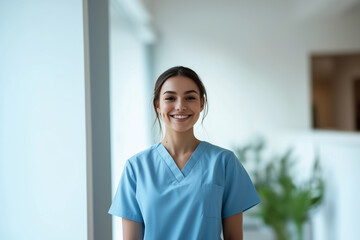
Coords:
pixel 180 143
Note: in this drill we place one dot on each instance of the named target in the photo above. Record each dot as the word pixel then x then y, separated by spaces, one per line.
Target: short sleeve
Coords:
pixel 239 191
pixel 125 204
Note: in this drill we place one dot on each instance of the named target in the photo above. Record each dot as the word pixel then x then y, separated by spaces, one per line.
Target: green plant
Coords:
pixel 283 200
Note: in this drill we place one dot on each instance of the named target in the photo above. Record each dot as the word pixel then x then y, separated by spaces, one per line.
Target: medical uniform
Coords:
pixel 183 204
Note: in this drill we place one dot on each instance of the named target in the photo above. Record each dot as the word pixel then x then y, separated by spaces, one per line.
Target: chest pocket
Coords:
pixel 213 195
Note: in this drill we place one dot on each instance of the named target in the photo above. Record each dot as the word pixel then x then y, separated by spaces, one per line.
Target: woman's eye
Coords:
pixel 173 98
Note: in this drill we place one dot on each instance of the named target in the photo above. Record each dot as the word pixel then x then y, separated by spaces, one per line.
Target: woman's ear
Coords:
pixel 157 106
pixel 202 103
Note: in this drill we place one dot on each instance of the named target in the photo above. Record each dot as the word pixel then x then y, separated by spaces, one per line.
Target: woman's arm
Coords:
pixel 233 227
pixel 132 230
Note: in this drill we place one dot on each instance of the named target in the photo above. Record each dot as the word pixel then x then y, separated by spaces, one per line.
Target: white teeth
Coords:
pixel 180 116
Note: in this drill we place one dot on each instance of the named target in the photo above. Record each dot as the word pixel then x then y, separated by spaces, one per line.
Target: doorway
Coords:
pixel 335 82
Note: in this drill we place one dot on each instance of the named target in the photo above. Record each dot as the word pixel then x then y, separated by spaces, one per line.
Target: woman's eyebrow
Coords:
pixel 187 92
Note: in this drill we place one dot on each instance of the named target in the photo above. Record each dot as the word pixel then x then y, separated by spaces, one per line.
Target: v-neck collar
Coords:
pixel 181 174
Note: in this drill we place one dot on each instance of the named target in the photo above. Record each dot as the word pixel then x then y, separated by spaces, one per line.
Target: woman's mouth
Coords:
pixel 180 117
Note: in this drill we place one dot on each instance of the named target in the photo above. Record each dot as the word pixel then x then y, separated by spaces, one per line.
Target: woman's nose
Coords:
pixel 180 105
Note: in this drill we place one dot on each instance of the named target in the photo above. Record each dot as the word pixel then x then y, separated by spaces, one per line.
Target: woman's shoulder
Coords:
pixel 215 150
pixel 144 154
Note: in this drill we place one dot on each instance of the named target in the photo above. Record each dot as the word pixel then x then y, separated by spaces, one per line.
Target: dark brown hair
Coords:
pixel 179 71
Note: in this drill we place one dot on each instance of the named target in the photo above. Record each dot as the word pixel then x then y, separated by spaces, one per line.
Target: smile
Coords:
pixel 181 117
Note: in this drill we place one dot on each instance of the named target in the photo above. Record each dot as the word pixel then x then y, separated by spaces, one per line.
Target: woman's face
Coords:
pixel 179 104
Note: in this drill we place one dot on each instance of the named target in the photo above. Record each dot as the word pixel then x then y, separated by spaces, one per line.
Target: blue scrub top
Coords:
pixel 183 204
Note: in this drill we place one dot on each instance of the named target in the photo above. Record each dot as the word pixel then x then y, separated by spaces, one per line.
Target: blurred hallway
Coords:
pixel 253 56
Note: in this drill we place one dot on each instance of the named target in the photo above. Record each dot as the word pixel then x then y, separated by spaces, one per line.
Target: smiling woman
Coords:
pixel 179 109
pixel 192 88
pixel 182 187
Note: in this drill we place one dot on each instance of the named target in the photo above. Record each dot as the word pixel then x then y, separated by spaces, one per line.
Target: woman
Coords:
pixel 182 188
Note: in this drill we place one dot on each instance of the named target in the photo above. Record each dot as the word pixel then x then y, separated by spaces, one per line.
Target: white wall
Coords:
pixel 254 59
pixel 42 120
